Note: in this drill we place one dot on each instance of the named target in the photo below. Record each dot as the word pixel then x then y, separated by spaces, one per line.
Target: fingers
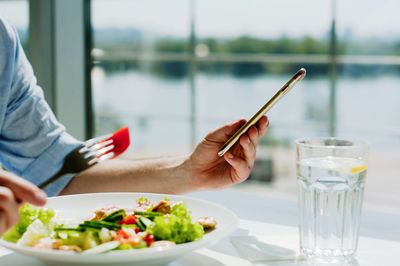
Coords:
pixel 246 150
pixel 241 159
pixel 3 222
pixel 243 156
pixel 22 189
pixel 225 132
pixel 249 148
pixel 230 129
pixel 8 209
pixel 262 126
pixel 13 191
pixel 241 168
pixel 256 132
pixel 253 135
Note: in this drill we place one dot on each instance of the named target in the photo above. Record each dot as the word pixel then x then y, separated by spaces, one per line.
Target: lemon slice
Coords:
pixel 358 169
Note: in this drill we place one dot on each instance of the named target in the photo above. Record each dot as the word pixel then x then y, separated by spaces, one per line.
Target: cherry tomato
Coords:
pixel 122 235
pixel 130 219
pixel 149 239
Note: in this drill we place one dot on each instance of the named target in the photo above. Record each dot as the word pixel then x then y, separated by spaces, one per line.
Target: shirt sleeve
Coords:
pixel 33 144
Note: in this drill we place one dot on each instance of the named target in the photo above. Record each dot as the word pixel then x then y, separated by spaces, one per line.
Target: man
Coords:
pixel 33 145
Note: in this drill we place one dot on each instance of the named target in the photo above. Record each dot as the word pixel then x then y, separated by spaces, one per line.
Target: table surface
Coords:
pixel 271 225
pixel 284 212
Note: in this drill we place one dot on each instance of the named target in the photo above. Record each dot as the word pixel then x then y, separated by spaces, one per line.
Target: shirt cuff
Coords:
pixel 51 161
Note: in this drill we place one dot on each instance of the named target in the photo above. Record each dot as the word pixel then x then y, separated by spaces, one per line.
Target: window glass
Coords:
pixel 250 51
pixel 175 70
pixel 17 13
pixel 368 89
pixel 140 78
pixel 368 27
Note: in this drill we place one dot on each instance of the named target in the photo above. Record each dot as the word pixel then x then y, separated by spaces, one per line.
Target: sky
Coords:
pixel 226 18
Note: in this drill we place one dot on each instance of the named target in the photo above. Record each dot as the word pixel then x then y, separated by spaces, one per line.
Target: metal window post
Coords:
pixel 192 74
pixel 41 46
pixel 333 73
pixel 58 52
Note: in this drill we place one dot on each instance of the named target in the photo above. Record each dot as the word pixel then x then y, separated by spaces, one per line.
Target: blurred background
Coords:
pixel 174 70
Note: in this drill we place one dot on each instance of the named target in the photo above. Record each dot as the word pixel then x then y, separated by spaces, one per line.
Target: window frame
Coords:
pixel 59 49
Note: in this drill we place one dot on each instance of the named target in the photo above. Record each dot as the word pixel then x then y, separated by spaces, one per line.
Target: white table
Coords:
pixel 378 245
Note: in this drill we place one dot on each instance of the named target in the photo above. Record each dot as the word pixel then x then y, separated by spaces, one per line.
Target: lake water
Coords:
pixel 157 110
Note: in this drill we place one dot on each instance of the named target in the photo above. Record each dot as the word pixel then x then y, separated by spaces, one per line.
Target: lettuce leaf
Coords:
pixel 177 226
pixel 84 240
pixel 27 215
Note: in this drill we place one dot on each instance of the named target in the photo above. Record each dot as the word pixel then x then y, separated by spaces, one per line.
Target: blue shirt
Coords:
pixel 33 144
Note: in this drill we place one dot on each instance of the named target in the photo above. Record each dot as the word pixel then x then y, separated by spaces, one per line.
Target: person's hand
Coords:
pixel 13 192
pixel 208 170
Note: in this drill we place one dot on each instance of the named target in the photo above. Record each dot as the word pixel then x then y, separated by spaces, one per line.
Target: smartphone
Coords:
pixel 252 121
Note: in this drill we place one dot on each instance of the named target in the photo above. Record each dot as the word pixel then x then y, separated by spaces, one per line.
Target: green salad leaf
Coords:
pixel 27 215
pixel 177 226
pixel 85 240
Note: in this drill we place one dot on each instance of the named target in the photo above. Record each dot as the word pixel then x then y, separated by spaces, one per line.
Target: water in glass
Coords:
pixel 330 191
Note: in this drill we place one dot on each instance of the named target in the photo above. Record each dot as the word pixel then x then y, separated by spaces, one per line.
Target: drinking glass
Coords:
pixel 330 180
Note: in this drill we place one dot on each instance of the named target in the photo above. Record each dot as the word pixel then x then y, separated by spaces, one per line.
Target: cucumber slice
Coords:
pixel 102 248
pixel 145 221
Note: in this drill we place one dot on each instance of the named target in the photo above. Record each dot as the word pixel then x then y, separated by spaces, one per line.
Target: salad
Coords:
pixel 147 225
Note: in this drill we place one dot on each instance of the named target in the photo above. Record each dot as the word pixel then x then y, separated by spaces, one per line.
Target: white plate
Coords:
pixel 80 206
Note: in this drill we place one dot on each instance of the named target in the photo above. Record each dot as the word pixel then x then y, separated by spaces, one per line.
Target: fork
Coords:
pixel 92 152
